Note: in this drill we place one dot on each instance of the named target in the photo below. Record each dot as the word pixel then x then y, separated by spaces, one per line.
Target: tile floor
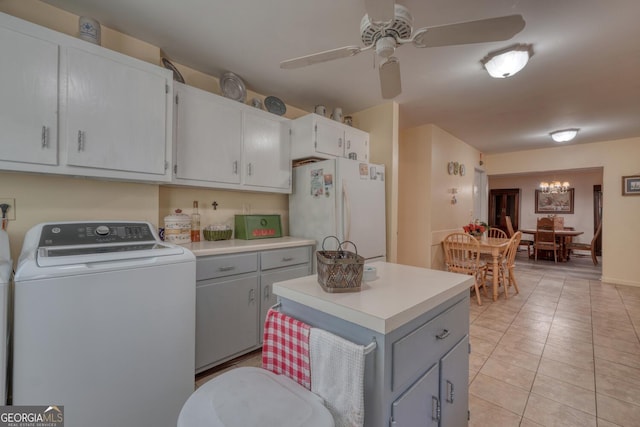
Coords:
pixel 564 352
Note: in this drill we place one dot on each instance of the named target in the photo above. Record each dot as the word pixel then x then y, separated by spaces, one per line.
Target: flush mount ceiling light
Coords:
pixel 564 135
pixel 506 62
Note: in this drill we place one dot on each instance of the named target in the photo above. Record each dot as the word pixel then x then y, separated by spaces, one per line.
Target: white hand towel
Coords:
pixel 337 375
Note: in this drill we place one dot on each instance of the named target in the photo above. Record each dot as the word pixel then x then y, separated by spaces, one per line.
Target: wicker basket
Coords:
pixel 217 234
pixel 339 270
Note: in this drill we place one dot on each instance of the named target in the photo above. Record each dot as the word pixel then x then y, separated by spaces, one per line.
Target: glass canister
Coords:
pixel 177 227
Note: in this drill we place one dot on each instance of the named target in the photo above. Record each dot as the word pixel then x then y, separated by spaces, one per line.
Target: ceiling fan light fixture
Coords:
pixel 564 135
pixel 507 62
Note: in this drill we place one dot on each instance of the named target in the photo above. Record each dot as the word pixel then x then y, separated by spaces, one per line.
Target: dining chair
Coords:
pixel 462 255
pixel 511 232
pixel 496 232
pixel 588 246
pixel 546 238
pixel 508 265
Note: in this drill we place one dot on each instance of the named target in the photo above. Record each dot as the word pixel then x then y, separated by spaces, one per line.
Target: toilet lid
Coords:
pixel 248 396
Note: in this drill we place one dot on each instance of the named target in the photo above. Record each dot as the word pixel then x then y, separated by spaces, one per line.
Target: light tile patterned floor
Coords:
pixel 564 352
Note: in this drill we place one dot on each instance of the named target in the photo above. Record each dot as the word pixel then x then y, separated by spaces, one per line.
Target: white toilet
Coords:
pixel 252 397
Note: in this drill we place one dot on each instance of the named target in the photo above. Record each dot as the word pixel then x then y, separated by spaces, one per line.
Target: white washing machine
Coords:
pixel 104 324
pixel 6 267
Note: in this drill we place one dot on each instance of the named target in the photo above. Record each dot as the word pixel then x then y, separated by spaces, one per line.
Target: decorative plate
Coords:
pixel 232 87
pixel 456 168
pixel 450 168
pixel 176 74
pixel 275 105
pixel 462 170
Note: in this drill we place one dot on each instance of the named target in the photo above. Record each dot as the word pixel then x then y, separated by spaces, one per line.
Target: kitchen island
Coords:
pixel 418 373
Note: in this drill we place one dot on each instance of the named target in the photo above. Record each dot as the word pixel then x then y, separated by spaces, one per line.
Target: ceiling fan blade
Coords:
pixel 327 55
pixel 390 84
pixel 481 31
pixel 380 10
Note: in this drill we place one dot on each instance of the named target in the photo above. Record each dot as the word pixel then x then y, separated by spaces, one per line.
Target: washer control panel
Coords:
pixel 95 233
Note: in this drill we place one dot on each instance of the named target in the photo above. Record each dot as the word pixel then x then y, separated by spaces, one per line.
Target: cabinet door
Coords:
pixel 226 318
pixel 357 142
pixel 115 114
pixel 454 389
pixel 29 101
pixel 419 405
pixel 208 136
pixel 329 138
pixel 267 151
pixel 267 297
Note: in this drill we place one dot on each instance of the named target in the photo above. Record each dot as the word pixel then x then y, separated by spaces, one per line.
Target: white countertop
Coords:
pixel 398 295
pixel 232 246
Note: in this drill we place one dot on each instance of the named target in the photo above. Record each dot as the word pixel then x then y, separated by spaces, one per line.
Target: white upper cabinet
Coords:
pixel 315 136
pixel 115 114
pixel 221 143
pixel 267 159
pixel 75 108
pixel 208 137
pixel 29 100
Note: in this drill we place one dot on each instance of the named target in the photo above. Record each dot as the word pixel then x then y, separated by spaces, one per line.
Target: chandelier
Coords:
pixel 554 187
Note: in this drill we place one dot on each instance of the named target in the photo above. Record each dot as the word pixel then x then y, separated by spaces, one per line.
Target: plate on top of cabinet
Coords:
pixel 232 87
pixel 176 74
pixel 275 105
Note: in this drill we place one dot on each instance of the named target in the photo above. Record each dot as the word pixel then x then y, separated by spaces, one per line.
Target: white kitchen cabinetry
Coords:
pixel 71 107
pixel 29 101
pixel 233 295
pixel 220 143
pixel 315 136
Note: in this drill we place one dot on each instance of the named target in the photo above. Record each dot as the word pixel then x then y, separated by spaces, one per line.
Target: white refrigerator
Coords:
pixel 343 198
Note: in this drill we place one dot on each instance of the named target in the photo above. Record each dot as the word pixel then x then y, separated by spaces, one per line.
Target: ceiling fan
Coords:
pixel 388 25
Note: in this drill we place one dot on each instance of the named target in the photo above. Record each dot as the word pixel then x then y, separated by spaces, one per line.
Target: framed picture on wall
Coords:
pixel 555 203
pixel 631 185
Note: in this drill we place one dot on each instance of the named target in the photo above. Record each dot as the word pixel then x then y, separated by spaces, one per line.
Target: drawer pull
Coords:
pixel 445 333
pixel 450 392
pixel 228 268
pixel 435 408
pixel 252 296
pixel 287 258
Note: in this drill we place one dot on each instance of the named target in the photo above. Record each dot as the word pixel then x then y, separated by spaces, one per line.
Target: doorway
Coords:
pixel 503 203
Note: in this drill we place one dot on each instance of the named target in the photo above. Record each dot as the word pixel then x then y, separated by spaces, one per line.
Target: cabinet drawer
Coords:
pixel 418 350
pixel 284 257
pixel 225 265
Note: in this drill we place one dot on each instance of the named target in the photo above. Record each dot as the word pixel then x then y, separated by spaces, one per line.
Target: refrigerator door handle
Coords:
pixel 347 207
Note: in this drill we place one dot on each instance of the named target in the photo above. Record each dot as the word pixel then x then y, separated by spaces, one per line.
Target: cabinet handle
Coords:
pixel 267 292
pixel 228 268
pixel 450 392
pixel 250 169
pixel 235 167
pixel 79 140
pixel 445 333
pixel 287 258
pixel 252 295
pixel 348 144
pixel 340 142
pixel 45 140
pixel 435 408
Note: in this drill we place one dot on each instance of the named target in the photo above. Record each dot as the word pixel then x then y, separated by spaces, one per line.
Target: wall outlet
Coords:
pixel 11 212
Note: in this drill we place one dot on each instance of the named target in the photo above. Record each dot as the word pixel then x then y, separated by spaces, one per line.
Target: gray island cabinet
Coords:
pixel 418 374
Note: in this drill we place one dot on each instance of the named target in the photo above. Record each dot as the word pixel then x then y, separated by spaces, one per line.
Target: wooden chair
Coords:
pixel 511 232
pixel 509 264
pixel 588 246
pixel 462 255
pixel 546 238
pixel 496 232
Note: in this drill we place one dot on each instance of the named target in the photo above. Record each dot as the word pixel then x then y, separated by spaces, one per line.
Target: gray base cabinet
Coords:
pixel 233 295
pixel 418 374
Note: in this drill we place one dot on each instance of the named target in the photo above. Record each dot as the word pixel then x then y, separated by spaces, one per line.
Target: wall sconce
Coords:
pixel 454 191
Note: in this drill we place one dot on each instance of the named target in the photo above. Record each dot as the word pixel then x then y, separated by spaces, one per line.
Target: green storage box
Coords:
pixel 249 227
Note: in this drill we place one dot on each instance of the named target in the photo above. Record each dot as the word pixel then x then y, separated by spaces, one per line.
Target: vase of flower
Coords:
pixel 476 229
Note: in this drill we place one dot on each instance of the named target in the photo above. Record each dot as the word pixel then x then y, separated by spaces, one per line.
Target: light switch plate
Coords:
pixel 11 212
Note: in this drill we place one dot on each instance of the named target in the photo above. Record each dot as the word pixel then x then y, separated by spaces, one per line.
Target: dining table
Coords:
pixel 494 246
pixel 561 237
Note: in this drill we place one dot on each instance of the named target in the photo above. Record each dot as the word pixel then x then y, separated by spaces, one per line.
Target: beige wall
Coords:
pixel 582 181
pixel 426 211
pixel 382 124
pixel 620 225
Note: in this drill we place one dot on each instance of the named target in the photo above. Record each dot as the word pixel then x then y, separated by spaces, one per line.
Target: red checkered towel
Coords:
pixel 285 348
